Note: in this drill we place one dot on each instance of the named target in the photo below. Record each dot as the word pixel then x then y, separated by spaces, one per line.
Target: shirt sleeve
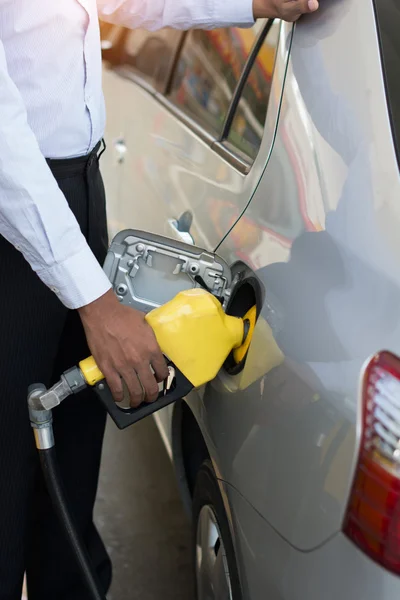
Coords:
pixel 179 14
pixel 34 214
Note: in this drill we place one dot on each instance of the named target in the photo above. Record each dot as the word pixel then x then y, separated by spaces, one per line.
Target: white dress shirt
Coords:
pixel 51 105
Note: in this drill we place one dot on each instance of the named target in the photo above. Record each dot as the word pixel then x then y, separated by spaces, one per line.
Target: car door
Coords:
pixel 188 170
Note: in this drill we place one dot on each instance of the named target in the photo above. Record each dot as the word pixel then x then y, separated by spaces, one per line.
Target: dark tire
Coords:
pixel 217 576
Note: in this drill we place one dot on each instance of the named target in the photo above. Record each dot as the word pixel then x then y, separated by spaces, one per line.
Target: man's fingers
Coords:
pixel 302 7
pixel 149 383
pixel 312 5
pixel 160 367
pixel 115 384
pixel 135 388
pixel 295 8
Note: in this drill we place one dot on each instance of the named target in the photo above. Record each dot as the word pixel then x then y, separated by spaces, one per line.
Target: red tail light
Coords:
pixel 373 515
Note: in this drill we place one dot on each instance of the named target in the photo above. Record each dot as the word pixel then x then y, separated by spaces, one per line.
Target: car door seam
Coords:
pixel 257 185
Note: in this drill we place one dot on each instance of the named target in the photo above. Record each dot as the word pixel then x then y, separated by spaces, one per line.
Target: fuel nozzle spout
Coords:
pixel 249 323
pixel 197 336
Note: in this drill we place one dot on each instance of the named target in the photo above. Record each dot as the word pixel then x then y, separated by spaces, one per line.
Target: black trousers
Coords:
pixel 39 339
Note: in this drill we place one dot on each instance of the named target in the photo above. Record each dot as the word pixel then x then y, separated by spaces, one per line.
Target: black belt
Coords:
pixel 68 167
pixel 87 167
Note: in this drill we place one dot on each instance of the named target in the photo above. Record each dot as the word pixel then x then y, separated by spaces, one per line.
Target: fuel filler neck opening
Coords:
pixel 245 303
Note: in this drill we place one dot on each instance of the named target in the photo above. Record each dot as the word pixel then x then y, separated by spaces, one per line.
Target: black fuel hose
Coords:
pixel 55 488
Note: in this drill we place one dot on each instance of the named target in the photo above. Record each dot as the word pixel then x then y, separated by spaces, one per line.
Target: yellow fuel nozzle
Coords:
pixel 195 334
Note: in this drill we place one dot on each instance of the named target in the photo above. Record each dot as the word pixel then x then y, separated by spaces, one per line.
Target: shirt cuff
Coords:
pixel 233 13
pixel 77 281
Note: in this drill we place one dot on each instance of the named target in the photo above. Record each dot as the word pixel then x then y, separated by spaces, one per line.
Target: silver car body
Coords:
pixel 322 203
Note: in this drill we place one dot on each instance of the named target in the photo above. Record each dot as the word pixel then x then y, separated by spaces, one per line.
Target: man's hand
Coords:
pixel 287 10
pixel 124 345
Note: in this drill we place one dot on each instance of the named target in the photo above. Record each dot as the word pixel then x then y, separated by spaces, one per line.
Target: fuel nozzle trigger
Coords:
pixel 175 388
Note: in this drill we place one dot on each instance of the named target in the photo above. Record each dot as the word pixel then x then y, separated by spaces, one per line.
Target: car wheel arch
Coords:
pixel 189 451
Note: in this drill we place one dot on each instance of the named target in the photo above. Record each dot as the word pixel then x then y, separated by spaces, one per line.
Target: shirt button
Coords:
pixel 17 247
pixel 54 289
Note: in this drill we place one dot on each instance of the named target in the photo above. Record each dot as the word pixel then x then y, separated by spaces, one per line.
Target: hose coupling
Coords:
pixel 40 418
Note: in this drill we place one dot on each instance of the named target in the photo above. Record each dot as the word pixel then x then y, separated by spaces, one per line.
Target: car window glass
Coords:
pixel 207 73
pixel 150 55
pixel 248 124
